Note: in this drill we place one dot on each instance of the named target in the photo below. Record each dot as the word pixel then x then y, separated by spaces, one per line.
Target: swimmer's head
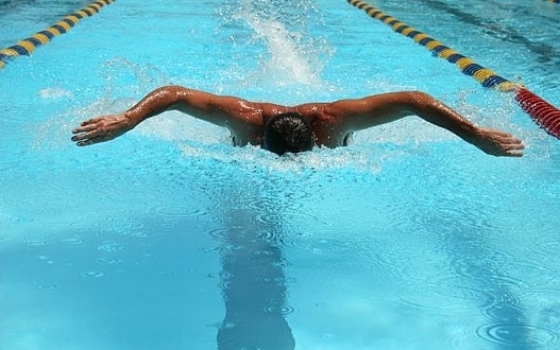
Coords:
pixel 287 132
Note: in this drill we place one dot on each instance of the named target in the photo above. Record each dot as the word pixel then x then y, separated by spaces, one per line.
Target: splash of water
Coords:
pixel 293 56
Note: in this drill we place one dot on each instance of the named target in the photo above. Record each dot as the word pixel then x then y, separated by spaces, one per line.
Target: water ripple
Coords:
pixel 93 274
pixel 72 241
pixel 37 242
pixel 48 286
pixel 446 300
pixel 110 246
pixel 123 225
pixel 108 261
pixel 276 310
pixel 550 246
pixel 235 236
pixel 180 211
pixel 518 336
pixel 474 269
pixel 506 308
pixel 544 305
pixel 460 338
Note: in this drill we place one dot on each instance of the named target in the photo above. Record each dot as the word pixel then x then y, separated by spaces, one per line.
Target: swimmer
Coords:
pixel 282 129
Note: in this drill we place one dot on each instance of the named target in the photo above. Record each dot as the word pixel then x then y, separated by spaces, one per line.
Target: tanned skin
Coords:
pixel 331 123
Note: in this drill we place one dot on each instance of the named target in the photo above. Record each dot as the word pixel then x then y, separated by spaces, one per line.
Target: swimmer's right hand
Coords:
pixel 498 143
pixel 101 129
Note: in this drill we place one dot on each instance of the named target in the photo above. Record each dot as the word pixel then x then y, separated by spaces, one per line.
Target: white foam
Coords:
pixel 55 93
pixel 293 56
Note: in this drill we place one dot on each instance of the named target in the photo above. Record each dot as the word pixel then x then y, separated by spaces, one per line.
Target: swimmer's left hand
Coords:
pixel 101 129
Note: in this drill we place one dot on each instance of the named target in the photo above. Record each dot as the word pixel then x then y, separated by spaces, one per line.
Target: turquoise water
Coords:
pixel 170 238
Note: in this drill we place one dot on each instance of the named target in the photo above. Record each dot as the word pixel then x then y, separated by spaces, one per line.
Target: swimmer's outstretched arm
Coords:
pixel 227 111
pixel 375 110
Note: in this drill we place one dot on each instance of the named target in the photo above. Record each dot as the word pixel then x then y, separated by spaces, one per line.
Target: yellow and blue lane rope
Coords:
pixel 26 46
pixel 486 77
pixel 543 113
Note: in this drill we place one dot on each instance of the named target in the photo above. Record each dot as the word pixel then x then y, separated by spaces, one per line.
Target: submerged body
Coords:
pixel 326 124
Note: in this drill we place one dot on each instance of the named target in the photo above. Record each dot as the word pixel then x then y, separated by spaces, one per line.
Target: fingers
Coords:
pixel 506 137
pixel 81 137
pixel 85 133
pixel 516 149
pixel 90 138
pixel 501 144
pixel 88 133
pixel 91 141
pixel 513 144
pixel 90 124
pixel 502 133
pixel 83 140
pixel 86 125
pixel 513 147
pixel 518 144
pixel 84 128
pixel 515 154
pixel 92 121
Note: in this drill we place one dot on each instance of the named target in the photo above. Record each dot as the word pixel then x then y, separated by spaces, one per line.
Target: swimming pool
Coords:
pixel 407 239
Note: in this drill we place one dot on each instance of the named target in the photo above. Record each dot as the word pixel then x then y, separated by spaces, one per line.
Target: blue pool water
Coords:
pixel 169 238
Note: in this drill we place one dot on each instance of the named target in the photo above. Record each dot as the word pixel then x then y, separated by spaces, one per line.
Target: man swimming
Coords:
pixel 282 129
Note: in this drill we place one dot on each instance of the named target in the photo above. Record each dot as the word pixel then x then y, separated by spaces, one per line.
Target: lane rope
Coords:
pixel 26 46
pixel 543 113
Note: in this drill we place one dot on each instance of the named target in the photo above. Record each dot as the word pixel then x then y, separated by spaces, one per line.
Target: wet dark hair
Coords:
pixel 288 132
